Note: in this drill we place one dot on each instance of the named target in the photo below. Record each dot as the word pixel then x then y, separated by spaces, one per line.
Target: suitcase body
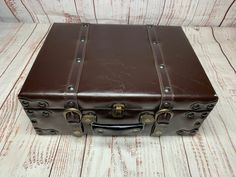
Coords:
pixel 117 80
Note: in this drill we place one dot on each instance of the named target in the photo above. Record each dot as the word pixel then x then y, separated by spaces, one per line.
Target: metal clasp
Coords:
pixel 72 115
pixel 162 118
pixel 118 110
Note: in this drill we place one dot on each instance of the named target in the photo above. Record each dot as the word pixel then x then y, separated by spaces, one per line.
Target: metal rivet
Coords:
pixel 162 66
pixel 25 103
pixel 210 106
pixel 196 106
pixel 78 60
pixel 70 88
pixel 85 25
pixel 166 105
pixel 197 123
pixel 204 115
pixel 42 104
pixel 154 43
pixel 30 112
pixel 34 121
pixel 82 40
pixel 190 115
pixel 167 89
pixel 71 104
pixel 45 114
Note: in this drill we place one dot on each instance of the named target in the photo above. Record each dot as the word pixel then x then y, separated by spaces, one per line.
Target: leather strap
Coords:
pixel 77 66
pixel 161 68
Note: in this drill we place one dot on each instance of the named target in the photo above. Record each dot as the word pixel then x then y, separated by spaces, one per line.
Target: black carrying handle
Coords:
pixel 119 129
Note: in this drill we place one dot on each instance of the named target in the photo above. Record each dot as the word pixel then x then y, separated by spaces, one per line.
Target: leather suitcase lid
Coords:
pixel 118 66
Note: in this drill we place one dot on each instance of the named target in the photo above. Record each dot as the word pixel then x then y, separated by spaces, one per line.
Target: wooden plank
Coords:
pixel 164 12
pixel 13 71
pixel 137 12
pixel 19 11
pixel 8 31
pixel 69 157
pixel 213 152
pixel 86 11
pixel 154 9
pixel 116 11
pixel 11 101
pixel 226 38
pixel 175 160
pixel 14 46
pixel 31 155
pixel 122 156
pixel 36 11
pixel 5 13
pixel 61 11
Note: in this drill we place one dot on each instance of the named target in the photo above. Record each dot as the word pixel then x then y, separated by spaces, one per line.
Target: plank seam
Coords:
pixel 226 12
pixel 193 13
pixel 186 157
pixel 203 130
pixel 77 10
pixel 44 11
pixel 163 164
pixel 54 156
pixel 227 132
pixel 12 11
pixel 222 50
pixel 159 20
pixel 27 11
pixel 94 11
pixel 83 156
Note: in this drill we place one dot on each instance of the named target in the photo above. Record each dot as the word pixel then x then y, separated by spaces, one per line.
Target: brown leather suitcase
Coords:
pixel 117 80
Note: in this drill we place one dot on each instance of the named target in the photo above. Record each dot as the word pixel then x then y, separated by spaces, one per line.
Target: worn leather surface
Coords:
pixel 118 67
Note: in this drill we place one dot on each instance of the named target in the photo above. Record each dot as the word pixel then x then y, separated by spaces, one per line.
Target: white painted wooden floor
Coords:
pixel 212 152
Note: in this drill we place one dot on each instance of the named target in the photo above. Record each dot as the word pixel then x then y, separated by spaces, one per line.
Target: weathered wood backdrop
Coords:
pixel 163 12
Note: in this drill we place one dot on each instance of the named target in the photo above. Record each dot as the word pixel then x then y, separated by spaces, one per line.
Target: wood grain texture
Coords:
pixel 212 152
pixel 163 12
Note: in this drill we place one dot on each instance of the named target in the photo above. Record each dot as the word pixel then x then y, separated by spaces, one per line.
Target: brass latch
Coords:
pixel 118 110
pixel 162 118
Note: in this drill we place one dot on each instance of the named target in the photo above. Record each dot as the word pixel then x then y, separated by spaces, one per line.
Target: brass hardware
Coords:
pixel 118 110
pixel 72 115
pixel 162 118
pixel 158 133
pixel 147 118
pixel 77 133
pixel 88 118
